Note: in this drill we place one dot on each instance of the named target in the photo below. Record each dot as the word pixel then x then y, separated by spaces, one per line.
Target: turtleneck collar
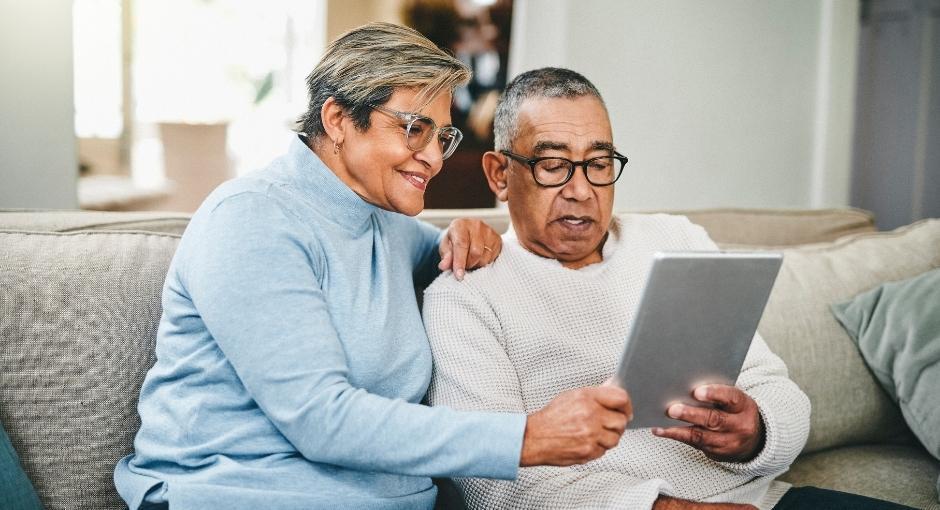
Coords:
pixel 337 201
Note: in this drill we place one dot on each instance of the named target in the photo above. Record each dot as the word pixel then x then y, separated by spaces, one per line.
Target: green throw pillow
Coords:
pixel 897 329
pixel 16 491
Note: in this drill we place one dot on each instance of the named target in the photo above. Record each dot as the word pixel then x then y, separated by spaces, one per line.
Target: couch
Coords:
pixel 80 301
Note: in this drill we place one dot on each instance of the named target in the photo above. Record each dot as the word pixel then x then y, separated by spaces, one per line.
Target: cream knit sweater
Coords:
pixel 515 334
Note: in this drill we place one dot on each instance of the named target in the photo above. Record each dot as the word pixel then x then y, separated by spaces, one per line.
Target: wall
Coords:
pixel 718 103
pixel 344 15
pixel 38 165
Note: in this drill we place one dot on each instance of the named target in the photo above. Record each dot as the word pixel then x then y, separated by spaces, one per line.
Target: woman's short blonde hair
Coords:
pixel 365 65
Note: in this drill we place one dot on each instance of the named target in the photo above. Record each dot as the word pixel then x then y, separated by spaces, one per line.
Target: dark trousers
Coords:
pixel 799 498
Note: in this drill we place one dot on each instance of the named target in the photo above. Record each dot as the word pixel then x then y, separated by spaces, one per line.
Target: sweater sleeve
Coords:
pixel 784 409
pixel 253 277
pixel 472 371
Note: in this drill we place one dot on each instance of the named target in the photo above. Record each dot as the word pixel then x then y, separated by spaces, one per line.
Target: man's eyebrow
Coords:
pixel 544 145
pixel 603 146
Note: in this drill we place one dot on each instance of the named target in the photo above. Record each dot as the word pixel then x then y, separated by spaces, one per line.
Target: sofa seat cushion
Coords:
pixel 849 406
pixel 904 474
pixel 78 319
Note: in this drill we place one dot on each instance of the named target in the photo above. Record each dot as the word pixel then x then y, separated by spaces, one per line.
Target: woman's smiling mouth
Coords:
pixel 417 180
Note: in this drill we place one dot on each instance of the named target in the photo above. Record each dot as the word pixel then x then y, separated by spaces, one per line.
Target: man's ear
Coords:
pixel 332 115
pixel 496 170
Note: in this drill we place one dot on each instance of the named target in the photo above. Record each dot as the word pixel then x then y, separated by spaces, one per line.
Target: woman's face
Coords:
pixel 381 168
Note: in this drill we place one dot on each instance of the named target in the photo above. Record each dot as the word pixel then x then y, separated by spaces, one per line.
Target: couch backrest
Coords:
pixel 849 406
pixel 76 221
pixel 729 227
pixel 78 318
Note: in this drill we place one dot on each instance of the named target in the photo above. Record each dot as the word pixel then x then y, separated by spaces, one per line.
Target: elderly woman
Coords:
pixel 291 358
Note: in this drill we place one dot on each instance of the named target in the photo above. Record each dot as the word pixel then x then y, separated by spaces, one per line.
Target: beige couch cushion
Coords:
pixel 849 407
pixel 78 318
pixel 780 227
pixel 733 227
pixel 901 473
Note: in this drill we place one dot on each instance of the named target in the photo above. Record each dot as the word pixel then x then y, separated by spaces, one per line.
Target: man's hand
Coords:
pixel 576 426
pixel 468 244
pixel 732 432
pixel 667 503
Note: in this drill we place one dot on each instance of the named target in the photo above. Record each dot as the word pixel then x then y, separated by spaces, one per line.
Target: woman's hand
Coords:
pixel 468 244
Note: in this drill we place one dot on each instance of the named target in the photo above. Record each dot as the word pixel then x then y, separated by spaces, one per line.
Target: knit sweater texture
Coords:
pixel 515 334
pixel 291 359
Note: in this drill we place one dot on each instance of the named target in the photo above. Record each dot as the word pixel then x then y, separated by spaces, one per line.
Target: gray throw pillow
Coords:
pixel 16 491
pixel 897 329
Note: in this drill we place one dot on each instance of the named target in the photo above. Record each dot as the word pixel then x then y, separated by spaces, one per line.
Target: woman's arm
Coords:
pixel 254 280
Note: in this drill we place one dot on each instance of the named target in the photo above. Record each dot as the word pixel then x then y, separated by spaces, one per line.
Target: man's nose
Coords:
pixel 578 188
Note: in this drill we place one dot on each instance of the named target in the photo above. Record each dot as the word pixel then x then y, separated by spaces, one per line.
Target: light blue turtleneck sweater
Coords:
pixel 291 359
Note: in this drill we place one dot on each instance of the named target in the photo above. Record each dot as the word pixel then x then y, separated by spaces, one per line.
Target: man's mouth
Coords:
pixel 417 180
pixel 576 222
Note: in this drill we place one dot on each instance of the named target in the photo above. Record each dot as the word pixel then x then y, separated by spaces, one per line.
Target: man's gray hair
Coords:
pixel 546 82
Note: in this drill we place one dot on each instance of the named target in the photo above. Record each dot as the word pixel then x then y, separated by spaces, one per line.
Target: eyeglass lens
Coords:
pixel 420 130
pixel 600 171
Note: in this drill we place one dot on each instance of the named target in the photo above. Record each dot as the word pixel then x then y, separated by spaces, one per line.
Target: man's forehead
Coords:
pixel 554 123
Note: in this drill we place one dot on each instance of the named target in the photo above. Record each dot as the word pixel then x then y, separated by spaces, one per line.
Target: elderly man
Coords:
pixel 552 313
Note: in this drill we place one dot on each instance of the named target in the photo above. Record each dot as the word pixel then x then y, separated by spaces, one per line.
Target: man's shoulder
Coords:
pixel 480 285
pixel 673 231
pixel 654 220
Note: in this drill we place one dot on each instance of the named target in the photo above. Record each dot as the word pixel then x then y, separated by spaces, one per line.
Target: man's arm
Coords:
pixel 472 371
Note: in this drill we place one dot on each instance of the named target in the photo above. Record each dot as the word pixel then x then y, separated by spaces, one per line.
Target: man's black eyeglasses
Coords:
pixel 552 172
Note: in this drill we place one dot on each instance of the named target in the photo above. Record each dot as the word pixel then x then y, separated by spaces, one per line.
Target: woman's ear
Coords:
pixel 332 116
pixel 496 170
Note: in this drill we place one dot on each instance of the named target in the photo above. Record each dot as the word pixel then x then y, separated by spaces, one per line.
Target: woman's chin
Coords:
pixel 409 207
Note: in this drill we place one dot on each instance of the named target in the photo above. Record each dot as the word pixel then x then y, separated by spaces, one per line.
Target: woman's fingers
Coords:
pixel 468 244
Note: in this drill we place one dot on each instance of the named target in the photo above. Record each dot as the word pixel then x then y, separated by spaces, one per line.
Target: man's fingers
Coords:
pixel 728 398
pixel 615 422
pixel 609 439
pixel 696 437
pixel 711 419
pixel 614 398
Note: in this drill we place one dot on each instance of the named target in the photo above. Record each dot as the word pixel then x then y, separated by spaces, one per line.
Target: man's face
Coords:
pixel 568 223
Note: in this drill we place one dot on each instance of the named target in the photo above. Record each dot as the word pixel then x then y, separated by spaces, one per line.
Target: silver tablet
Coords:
pixel 697 316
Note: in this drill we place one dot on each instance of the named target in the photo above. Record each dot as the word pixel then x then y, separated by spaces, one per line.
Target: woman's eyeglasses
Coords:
pixel 420 130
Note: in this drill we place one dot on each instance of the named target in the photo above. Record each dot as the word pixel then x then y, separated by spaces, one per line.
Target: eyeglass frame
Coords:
pixel 410 117
pixel 572 165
